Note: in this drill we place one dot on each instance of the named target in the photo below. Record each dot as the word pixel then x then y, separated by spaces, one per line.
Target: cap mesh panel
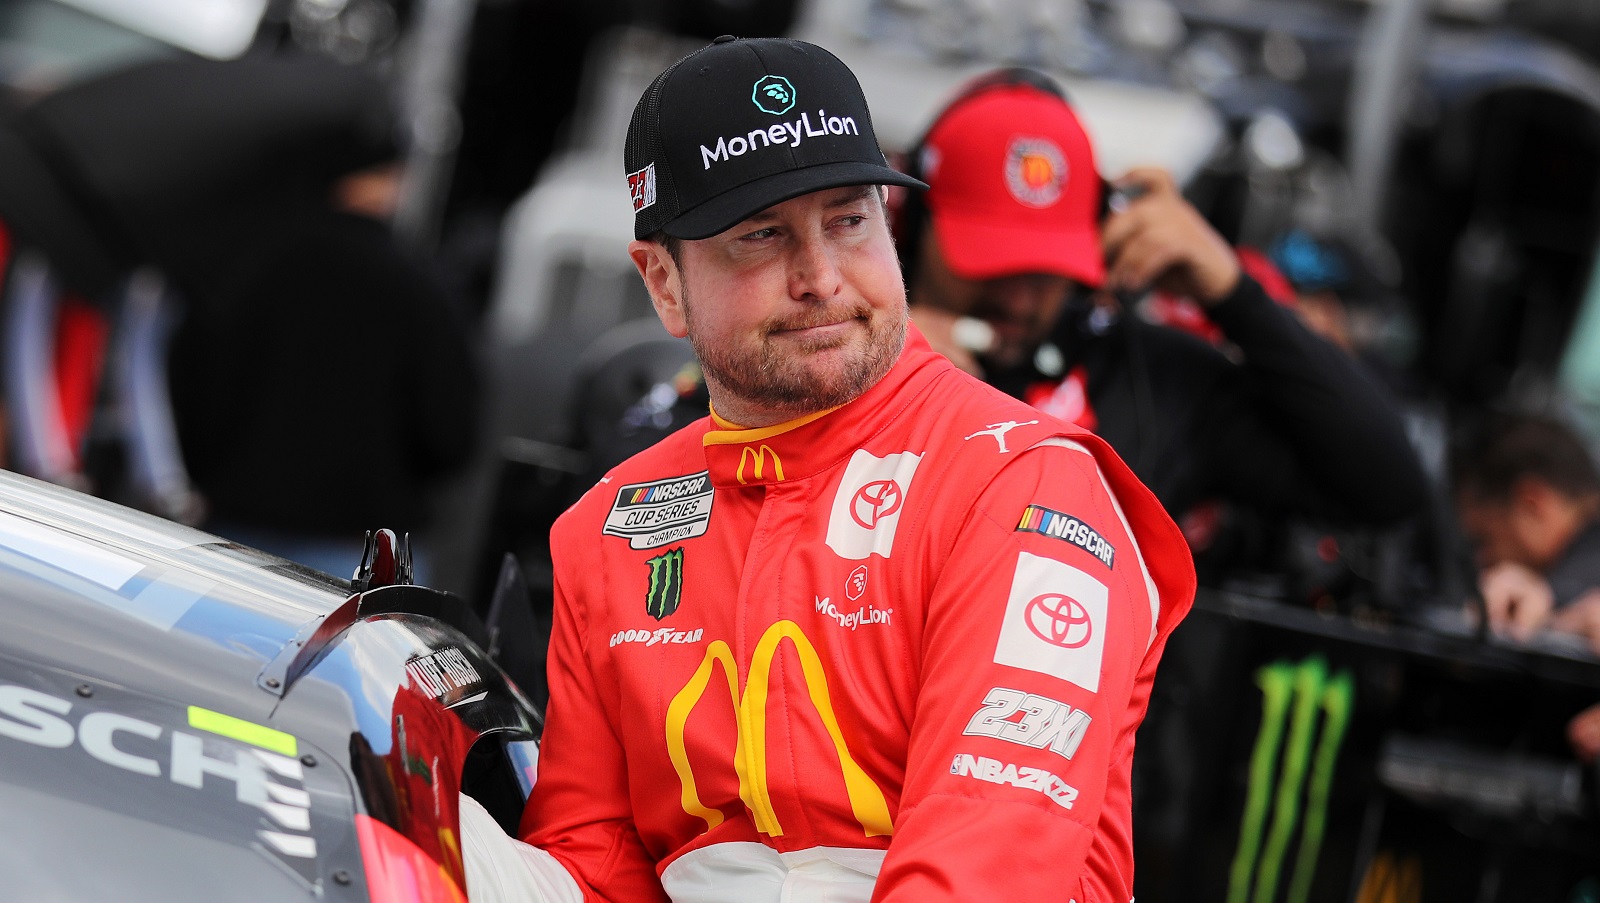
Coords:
pixel 643 148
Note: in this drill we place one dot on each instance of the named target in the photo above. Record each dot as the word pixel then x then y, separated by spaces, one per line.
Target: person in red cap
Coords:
pixel 1014 259
pixel 1021 263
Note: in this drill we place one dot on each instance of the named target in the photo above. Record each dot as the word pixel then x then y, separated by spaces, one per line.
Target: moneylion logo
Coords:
pixel 758 456
pixel 773 94
pixel 666 583
pixel 867 801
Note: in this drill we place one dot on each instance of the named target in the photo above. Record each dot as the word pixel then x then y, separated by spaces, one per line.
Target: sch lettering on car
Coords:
pixel 263 778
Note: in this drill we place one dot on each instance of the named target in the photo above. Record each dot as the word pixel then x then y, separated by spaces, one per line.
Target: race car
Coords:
pixel 186 719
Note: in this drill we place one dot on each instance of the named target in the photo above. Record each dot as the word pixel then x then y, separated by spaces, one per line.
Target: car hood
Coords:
pixel 118 597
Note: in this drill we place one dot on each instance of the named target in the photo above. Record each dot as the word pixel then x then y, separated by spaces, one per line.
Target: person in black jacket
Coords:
pixel 1025 267
pixel 1528 495
pixel 324 383
pixel 1014 259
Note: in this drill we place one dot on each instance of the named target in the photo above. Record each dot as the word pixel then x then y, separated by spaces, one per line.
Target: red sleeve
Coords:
pixel 1033 682
pixel 580 810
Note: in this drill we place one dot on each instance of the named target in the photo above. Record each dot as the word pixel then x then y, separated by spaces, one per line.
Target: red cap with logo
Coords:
pixel 1013 187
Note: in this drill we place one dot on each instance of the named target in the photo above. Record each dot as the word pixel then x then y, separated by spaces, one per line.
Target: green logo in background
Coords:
pixel 1287 773
pixel 773 94
pixel 666 583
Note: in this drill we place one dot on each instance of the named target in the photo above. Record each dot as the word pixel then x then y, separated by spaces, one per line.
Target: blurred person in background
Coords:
pixel 1340 296
pixel 1528 495
pixel 323 382
pixel 1024 266
pixel 1015 261
pixel 1583 732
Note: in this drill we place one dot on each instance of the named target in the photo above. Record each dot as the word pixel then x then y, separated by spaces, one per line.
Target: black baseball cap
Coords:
pixel 742 124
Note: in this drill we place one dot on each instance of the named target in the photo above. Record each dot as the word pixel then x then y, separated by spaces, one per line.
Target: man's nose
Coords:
pixel 813 271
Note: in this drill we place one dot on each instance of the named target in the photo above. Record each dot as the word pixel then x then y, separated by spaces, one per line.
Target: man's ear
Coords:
pixel 664 283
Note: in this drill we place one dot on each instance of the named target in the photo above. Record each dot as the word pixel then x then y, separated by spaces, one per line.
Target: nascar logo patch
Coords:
pixel 1047 522
pixel 654 514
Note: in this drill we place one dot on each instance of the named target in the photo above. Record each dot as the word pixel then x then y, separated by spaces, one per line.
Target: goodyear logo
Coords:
pixel 867 801
pixel 754 462
pixel 666 583
pixel 661 512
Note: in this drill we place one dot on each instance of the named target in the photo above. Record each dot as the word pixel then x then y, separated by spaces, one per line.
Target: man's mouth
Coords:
pixel 816 323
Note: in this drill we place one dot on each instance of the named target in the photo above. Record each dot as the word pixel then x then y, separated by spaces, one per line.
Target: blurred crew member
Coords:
pixel 1528 496
pixel 1005 254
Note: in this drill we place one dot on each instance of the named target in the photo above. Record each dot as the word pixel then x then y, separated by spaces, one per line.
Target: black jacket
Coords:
pixel 322 382
pixel 1295 426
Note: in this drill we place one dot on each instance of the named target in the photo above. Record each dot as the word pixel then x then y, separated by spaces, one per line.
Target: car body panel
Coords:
pixel 183 718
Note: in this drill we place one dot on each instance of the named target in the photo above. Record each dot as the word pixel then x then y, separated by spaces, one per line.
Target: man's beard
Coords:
pixel 776 379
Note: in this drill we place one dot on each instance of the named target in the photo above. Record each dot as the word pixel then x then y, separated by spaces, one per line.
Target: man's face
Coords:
pixel 1021 308
pixel 1531 527
pixel 797 309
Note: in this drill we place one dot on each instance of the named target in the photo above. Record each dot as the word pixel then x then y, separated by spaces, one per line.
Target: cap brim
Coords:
pixel 980 248
pixel 726 210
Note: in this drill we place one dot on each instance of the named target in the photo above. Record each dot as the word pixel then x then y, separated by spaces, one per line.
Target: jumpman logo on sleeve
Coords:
pixel 999 430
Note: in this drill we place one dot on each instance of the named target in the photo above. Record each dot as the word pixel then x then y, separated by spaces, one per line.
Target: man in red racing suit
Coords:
pixel 909 639
pixel 890 642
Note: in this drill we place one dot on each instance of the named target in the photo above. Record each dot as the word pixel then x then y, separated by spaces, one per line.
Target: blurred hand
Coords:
pixel 1518 598
pixel 1161 241
pixel 1582 618
pixel 1583 732
pixel 943 331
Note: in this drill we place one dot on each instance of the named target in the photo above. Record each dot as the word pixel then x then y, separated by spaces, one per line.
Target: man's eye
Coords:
pixel 761 234
pixel 854 219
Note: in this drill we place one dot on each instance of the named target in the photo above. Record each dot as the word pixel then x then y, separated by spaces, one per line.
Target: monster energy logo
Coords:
pixel 666 583
pixel 1292 697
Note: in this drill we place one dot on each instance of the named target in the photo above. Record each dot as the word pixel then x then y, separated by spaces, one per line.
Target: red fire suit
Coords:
pixel 897 651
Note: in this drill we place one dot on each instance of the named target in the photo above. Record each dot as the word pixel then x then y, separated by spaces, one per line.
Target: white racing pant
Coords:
pixel 502 869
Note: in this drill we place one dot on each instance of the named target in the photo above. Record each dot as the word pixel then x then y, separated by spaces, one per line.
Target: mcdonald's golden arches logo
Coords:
pixel 867 801
pixel 759 457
